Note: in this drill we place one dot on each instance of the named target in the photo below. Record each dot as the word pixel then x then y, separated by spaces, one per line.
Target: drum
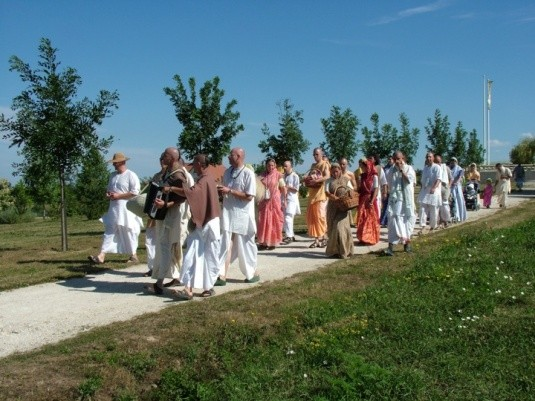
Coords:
pixel 155 192
pixel 260 190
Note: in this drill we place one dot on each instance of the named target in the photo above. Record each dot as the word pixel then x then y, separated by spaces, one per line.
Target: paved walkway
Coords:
pixel 47 313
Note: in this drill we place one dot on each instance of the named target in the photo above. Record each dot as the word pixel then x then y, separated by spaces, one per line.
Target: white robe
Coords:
pixel 238 222
pixel 200 267
pixel 122 227
pixel 400 209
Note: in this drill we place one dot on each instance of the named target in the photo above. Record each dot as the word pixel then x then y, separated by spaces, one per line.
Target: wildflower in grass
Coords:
pixel 497 268
pixel 522 293
pixel 290 352
pixel 513 297
pixel 439 329
pixel 305 375
pixel 528 283
pixel 464 289
pixel 501 262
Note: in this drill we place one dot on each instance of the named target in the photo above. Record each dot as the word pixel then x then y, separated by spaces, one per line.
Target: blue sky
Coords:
pixel 387 57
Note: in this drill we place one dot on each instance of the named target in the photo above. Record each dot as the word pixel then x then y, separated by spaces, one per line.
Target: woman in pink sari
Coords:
pixel 270 217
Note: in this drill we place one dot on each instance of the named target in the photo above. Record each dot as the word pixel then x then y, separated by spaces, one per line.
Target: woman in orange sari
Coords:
pixel 317 199
pixel 270 217
pixel 368 229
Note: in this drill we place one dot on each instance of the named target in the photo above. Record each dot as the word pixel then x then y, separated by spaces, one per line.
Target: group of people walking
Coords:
pixel 197 238
pixel 206 225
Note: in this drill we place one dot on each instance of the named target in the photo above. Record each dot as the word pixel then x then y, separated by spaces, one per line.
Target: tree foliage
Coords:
pixel 474 149
pixel 340 130
pixel 22 199
pixel 52 129
pixel 91 185
pixel 458 145
pixel 6 195
pixel 206 129
pixel 523 152
pixel 380 140
pixel 438 135
pixel 289 143
pixel 408 139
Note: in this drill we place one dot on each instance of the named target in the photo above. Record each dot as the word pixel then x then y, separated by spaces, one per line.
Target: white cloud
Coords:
pixel 410 12
pixel 527 135
pixel 496 143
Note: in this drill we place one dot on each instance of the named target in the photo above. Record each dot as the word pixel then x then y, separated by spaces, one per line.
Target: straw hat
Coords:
pixel 118 157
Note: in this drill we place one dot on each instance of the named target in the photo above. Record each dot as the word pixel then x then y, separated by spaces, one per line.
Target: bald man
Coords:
pixel 238 219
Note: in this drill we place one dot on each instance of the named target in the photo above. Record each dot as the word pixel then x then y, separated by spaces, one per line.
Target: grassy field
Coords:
pixel 454 320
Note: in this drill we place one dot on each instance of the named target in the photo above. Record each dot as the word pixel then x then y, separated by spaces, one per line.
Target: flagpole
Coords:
pixel 485 118
pixel 489 106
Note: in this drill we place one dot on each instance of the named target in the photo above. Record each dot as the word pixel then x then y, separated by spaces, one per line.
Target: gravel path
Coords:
pixel 47 313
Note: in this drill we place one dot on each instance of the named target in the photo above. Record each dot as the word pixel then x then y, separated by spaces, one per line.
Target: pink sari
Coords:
pixel 270 217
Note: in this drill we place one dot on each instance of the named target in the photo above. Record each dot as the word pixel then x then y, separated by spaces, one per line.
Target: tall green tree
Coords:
pixel 458 145
pixel 289 143
pixel 475 153
pixel 50 127
pixel 523 152
pixel 205 127
pixel 91 185
pixel 340 130
pixel 408 139
pixel 438 135
pixel 380 140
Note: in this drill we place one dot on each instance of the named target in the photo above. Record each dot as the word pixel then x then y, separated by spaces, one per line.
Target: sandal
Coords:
pixel 173 283
pixel 157 289
pixel 208 293
pixel 94 260
pixel 314 245
pixel 323 243
pixel 183 295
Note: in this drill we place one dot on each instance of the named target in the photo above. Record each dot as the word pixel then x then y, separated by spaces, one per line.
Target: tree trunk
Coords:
pixel 63 211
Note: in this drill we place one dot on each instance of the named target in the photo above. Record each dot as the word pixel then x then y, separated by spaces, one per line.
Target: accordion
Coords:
pixel 155 192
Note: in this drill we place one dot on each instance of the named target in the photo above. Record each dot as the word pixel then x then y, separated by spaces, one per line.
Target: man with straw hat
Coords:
pixel 122 227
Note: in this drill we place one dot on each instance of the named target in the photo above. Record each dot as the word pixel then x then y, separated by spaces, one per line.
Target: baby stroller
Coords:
pixel 471 198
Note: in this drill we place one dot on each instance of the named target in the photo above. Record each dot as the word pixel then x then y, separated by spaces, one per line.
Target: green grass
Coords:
pixel 454 320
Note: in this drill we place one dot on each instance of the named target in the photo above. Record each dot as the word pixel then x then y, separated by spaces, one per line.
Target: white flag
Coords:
pixel 489 92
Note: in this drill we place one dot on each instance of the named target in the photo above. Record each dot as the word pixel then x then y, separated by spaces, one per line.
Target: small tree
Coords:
pixel 408 139
pixel 340 130
pixel 458 145
pixel 206 129
pixel 91 185
pixel 523 152
pixel 6 195
pixel 438 135
pixel 474 150
pixel 53 130
pixel 379 140
pixel 22 199
pixel 289 143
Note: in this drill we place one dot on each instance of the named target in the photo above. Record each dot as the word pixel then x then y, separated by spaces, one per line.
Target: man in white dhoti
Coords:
pixel 430 197
pixel 150 231
pixel 238 219
pixel 200 267
pixel 291 204
pixel 171 231
pixel 446 177
pixel 122 227
pixel 401 213
pixel 457 190
pixel 502 184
